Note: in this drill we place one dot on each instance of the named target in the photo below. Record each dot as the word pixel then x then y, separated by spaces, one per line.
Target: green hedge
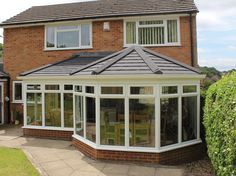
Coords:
pixel 220 124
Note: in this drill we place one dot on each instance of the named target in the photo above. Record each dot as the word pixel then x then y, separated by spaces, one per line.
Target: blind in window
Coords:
pixel 172 31
pixel 130 32
pixel 151 35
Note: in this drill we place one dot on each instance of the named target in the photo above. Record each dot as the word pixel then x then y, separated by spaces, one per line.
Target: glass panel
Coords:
pixel 141 90
pixel 33 87
pixel 150 22
pixel 52 87
pixel 90 89
pixel 67 39
pixel 79 115
pixel 169 90
pixel 68 87
pixel 78 89
pixel 189 89
pixel 68 110
pixel 34 109
pixel 90 119
pixel 53 109
pixel 172 31
pixel 112 122
pixel 169 121
pixel 130 32
pixel 151 35
pixel 67 27
pixel 18 91
pixel 142 122
pixel 85 35
pixel 112 90
pixel 189 118
pixel 50 35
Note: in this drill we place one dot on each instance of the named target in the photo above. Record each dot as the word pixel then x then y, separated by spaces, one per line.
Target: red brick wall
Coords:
pixel 177 156
pixel 49 134
pixel 24 47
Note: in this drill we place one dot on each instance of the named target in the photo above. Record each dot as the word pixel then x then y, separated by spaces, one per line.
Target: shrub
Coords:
pixel 220 124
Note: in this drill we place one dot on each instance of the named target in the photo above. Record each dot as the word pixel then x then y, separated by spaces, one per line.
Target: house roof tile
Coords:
pixel 100 9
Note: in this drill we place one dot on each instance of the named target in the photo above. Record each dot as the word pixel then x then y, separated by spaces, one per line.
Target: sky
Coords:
pixel 216 25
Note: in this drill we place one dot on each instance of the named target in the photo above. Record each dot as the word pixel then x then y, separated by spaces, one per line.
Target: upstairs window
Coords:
pixel 68 37
pixel 152 32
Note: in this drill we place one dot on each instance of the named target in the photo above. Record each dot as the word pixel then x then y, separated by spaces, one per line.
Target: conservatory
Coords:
pixel 134 105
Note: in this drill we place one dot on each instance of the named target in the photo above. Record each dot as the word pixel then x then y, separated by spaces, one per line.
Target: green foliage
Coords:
pixel 220 125
pixel 212 75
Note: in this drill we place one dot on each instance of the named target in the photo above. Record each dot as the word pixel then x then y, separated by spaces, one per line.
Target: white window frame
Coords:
pixel 126 95
pixel 66 30
pixel 164 19
pixel 61 91
pixel 13 92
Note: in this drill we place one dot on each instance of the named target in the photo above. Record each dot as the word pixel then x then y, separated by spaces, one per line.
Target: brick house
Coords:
pixel 117 77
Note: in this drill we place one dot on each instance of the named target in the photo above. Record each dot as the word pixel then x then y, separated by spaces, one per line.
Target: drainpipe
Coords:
pixel 191 38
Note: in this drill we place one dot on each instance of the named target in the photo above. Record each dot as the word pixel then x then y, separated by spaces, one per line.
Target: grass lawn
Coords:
pixel 14 162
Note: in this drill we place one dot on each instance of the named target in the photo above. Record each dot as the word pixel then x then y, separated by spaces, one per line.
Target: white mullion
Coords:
pixel 25 103
pixel 79 30
pixel 198 113
pixel 180 114
pixel 74 120
pixel 62 110
pixel 157 118
pixel 126 118
pixel 43 107
pixel 84 112
pixel 55 37
pixel 97 106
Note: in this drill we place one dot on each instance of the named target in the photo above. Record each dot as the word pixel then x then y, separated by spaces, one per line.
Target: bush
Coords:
pixel 220 124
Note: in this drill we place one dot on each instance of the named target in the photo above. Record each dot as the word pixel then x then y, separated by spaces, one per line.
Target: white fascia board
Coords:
pixel 112 77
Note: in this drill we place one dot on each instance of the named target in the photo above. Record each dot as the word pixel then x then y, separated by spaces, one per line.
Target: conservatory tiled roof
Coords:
pixel 134 60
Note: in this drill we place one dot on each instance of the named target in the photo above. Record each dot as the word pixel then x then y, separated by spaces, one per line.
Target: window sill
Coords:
pixel 63 49
pixel 162 45
pixel 48 128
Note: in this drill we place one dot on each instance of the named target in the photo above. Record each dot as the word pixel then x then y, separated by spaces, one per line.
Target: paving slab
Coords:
pixel 60 158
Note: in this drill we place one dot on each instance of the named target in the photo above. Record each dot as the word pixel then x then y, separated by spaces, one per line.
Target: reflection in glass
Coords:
pixel 53 109
pixel 34 109
pixel 189 118
pixel 142 122
pixel 79 116
pixel 90 119
pixel 169 121
pixel 112 122
pixel 68 110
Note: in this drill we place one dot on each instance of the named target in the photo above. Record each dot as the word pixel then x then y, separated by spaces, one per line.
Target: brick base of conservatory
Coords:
pixel 49 134
pixel 177 156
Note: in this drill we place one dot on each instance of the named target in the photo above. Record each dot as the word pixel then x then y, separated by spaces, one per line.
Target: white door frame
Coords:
pixel 2 100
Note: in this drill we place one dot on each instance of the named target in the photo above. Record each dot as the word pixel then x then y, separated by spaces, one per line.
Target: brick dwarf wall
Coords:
pixel 177 156
pixel 24 47
pixel 49 134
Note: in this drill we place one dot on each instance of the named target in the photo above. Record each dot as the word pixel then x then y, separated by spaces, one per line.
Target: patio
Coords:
pixel 55 158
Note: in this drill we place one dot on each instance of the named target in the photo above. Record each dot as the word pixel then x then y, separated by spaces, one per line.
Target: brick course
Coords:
pixel 49 134
pixel 177 156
